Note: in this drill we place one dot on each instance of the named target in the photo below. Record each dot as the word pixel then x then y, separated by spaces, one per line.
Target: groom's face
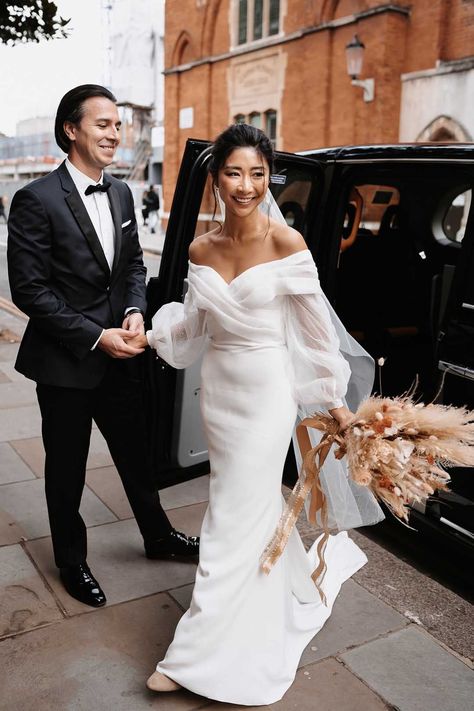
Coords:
pixel 95 138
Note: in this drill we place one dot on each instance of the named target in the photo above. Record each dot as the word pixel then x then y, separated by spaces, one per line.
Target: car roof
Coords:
pixel 399 152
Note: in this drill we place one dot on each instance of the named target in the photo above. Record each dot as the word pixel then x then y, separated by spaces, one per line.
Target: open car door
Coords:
pixel 177 440
pixel 454 509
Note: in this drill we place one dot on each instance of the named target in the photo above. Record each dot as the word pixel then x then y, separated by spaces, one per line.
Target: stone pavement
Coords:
pixel 59 655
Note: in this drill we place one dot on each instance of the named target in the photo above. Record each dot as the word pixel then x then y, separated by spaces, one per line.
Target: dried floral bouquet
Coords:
pixel 395 447
pixel 398 448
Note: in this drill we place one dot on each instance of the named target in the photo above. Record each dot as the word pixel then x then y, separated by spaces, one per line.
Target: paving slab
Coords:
pixel 411 671
pixel 188 519
pixel 10 530
pixel 117 559
pixel 12 466
pixel 357 617
pixel 25 602
pixel 417 595
pixel 14 395
pixel 188 492
pixel 99 455
pixel 20 422
pixel 31 450
pixel 96 662
pixel 327 686
pixel 106 484
pixel 8 370
pixel 25 502
pixel 182 595
pixel 8 351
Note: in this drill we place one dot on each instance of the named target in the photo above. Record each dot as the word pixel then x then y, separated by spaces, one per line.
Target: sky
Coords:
pixel 34 77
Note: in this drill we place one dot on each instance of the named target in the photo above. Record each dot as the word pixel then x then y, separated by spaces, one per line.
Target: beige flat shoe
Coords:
pixel 159 682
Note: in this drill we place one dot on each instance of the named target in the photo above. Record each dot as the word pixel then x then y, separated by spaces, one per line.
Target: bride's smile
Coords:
pixel 243 180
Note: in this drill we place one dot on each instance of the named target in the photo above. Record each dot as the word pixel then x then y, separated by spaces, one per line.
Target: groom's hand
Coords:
pixel 113 341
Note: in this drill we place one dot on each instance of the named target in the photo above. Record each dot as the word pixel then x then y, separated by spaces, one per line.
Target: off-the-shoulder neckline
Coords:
pixel 249 269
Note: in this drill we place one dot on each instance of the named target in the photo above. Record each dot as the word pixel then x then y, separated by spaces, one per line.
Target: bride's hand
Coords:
pixel 343 416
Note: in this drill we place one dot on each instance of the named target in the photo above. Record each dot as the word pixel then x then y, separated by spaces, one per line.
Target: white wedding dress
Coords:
pixel 269 345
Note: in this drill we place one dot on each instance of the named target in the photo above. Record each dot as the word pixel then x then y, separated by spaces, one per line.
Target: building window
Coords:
pixel 255 119
pixel 242 33
pixel 266 121
pixel 274 17
pixel 257 19
pixel 271 125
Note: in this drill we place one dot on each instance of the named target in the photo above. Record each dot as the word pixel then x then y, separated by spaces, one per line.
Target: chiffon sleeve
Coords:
pixel 178 332
pixel 330 369
pixel 320 372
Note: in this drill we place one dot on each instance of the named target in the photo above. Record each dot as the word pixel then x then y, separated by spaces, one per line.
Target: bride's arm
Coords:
pixel 178 332
pixel 321 371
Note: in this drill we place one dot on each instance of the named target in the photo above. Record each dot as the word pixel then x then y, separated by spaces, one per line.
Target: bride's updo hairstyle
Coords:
pixel 239 135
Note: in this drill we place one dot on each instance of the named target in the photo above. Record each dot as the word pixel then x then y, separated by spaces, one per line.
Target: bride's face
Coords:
pixel 243 180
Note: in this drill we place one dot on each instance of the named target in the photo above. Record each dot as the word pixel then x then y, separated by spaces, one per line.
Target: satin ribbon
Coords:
pixel 308 483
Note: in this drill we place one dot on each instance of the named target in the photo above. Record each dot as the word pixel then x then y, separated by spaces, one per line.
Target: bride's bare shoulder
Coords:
pixel 201 246
pixel 286 239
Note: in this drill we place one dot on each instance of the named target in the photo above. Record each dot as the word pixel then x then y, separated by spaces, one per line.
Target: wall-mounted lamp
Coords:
pixel 355 58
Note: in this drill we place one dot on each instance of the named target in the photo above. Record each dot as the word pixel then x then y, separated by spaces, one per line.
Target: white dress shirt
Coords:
pixel 98 208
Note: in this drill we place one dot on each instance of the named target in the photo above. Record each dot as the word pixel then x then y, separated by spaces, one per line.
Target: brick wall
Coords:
pixel 318 107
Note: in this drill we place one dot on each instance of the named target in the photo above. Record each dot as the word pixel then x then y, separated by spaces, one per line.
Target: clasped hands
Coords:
pixel 126 342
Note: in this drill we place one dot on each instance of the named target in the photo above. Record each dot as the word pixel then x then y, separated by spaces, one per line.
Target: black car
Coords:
pixel 391 228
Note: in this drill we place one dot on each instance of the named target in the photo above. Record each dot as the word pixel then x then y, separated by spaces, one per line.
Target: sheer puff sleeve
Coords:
pixel 320 372
pixel 330 369
pixel 178 332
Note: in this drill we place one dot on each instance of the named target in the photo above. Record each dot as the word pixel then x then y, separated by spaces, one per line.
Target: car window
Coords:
pixel 291 187
pixel 375 201
pixel 456 214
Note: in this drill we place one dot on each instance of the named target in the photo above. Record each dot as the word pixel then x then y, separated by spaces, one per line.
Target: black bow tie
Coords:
pixel 100 188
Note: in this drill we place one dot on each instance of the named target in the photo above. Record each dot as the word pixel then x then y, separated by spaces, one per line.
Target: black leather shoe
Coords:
pixel 174 545
pixel 81 584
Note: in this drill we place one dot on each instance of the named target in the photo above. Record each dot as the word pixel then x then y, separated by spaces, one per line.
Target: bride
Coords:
pixel 255 307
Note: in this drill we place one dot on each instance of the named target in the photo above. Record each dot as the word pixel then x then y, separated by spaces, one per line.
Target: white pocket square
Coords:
pixel 126 224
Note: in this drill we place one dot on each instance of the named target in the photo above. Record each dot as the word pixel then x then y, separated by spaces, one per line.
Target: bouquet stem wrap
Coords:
pixel 308 483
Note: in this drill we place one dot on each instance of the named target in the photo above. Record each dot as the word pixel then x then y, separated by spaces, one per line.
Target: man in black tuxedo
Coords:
pixel 76 269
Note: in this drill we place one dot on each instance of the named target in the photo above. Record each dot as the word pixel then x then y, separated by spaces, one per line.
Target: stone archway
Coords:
pixel 444 129
pixel 183 51
pixel 209 25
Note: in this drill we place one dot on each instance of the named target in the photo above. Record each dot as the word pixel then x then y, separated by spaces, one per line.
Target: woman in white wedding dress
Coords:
pixel 255 307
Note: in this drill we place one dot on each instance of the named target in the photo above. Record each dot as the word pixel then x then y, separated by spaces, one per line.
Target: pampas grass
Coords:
pixel 399 448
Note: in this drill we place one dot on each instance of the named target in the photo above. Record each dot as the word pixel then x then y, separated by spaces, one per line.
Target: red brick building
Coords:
pixel 281 64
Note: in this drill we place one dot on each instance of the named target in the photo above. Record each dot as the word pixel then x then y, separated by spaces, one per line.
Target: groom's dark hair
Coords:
pixel 71 108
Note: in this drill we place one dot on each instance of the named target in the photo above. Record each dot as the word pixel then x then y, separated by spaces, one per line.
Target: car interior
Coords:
pixel 400 243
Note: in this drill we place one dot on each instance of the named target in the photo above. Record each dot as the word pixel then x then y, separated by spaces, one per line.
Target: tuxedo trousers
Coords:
pixel 117 407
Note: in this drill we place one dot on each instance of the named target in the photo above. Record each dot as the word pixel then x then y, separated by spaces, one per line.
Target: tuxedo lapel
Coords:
pixel 115 208
pixel 81 215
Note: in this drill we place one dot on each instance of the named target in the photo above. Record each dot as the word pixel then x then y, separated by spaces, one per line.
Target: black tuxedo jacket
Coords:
pixel 60 278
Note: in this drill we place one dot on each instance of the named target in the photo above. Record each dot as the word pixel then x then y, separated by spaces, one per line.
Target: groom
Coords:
pixel 76 269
